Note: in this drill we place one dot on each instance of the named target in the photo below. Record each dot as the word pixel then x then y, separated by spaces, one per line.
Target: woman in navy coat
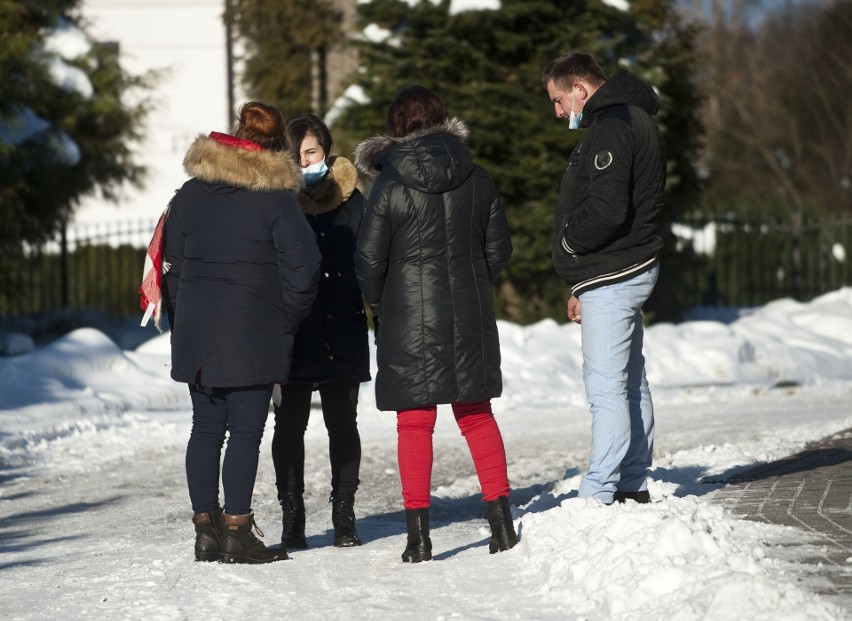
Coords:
pixel 242 273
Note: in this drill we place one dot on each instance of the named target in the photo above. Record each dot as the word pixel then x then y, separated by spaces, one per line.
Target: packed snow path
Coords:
pixel 97 526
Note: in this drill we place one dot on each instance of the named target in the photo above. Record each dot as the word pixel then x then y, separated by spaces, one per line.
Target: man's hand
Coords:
pixel 574 309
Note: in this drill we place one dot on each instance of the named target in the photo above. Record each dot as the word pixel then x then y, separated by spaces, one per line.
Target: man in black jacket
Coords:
pixel 605 247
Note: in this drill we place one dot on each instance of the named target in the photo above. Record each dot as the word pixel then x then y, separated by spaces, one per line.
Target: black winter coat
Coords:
pixel 243 269
pixel 605 227
pixel 433 241
pixel 331 343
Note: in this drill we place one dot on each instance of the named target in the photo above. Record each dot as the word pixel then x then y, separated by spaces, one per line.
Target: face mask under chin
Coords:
pixel 574 120
pixel 315 172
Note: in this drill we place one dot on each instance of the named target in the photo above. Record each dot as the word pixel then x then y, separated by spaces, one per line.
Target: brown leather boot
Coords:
pixel 208 535
pixel 239 545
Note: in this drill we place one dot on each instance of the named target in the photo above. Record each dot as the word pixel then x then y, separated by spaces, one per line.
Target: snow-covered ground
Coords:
pixel 94 513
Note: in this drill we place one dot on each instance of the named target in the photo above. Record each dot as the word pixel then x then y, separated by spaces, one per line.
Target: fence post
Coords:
pixel 63 265
pixel 796 234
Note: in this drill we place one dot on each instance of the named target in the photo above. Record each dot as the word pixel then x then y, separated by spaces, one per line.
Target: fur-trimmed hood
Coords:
pixel 336 188
pixel 257 170
pixel 433 159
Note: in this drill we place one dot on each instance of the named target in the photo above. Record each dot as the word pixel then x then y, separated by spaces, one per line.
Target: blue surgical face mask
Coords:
pixel 315 172
pixel 574 119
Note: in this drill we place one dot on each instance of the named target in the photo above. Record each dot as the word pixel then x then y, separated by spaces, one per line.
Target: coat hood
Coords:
pixel 622 88
pixel 430 160
pixel 336 188
pixel 259 170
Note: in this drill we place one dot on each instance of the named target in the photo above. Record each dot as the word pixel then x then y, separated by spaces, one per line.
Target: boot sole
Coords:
pixel 494 549
pixel 416 558
pixel 245 560
pixel 210 557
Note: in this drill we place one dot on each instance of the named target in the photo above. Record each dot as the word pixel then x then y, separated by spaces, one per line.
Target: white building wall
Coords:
pixel 186 39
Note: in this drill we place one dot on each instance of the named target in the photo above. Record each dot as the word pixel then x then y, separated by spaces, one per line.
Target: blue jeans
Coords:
pixel 241 413
pixel 616 387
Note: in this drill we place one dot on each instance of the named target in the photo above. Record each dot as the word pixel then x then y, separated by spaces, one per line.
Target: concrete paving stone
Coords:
pixel 810 491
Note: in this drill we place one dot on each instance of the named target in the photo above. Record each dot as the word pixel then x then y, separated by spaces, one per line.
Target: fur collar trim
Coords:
pixel 256 170
pixel 368 152
pixel 331 192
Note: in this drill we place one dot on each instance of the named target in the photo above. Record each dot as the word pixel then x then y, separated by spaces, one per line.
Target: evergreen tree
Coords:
pixel 283 42
pixel 65 127
pixel 487 65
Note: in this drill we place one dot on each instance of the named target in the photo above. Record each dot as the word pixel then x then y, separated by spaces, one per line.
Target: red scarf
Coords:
pixel 150 293
pixel 233 141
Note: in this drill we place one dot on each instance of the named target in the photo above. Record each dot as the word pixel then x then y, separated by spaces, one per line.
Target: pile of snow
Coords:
pixel 92 438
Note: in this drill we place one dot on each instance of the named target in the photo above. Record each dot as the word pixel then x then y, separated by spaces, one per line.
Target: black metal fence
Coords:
pixel 726 261
pixel 87 266
pixel 742 262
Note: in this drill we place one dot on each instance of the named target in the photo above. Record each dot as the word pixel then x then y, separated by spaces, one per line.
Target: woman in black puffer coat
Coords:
pixel 331 353
pixel 243 271
pixel 433 241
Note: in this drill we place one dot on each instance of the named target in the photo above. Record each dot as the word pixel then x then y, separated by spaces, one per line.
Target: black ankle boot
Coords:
pixel 343 520
pixel 293 522
pixel 239 545
pixel 419 545
pixel 503 534
pixel 642 497
pixel 208 535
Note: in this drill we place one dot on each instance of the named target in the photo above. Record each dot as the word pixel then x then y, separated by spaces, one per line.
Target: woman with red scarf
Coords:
pixel 242 271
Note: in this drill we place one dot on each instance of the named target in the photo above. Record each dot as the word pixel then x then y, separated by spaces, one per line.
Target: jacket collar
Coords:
pixel 332 191
pixel 214 160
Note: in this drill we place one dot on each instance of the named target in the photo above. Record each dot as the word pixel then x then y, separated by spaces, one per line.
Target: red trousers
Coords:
pixel 414 450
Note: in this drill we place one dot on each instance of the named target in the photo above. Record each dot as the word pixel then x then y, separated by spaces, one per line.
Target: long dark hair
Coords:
pixel 415 107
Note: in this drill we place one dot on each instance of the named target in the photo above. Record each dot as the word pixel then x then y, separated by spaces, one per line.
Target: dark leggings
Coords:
pixel 339 410
pixel 241 413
